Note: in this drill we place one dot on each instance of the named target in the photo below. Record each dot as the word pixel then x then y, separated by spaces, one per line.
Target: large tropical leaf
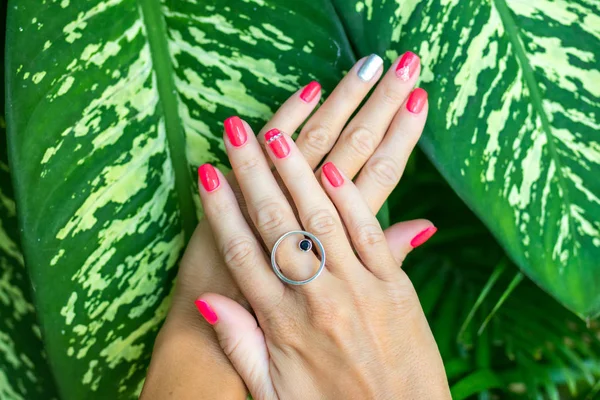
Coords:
pixel 113 103
pixel 514 124
pixel 497 332
pixel 24 372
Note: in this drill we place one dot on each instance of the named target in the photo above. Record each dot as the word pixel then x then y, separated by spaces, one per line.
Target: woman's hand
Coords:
pixel 377 141
pixel 357 331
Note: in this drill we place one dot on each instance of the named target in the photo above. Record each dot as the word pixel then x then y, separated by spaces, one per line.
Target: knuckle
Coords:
pixel 368 235
pixel 385 171
pixel 317 138
pixel 220 208
pixel 239 251
pixel 391 95
pixel 269 217
pixel 247 165
pixel 320 222
pixel 331 317
pixel 362 141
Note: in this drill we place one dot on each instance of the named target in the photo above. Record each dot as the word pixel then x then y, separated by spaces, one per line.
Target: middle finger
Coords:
pixel 363 134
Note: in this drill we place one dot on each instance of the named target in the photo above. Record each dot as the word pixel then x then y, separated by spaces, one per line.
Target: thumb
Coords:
pixel 405 236
pixel 242 341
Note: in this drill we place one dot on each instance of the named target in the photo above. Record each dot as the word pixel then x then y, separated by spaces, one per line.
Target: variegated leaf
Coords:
pixel 514 121
pixel 24 371
pixel 114 104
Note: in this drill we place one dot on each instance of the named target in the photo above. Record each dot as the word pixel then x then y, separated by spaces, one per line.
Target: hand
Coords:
pixel 379 135
pixel 358 330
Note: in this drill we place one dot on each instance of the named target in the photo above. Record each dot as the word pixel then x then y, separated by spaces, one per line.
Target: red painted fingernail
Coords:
pixel 423 236
pixel 277 141
pixel 310 91
pixel 333 174
pixel 208 176
pixel 407 66
pixel 416 100
pixel 235 131
pixel 207 312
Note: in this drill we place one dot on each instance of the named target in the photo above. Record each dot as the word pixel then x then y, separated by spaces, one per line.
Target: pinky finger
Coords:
pixel 404 236
pixel 363 228
pixel 242 341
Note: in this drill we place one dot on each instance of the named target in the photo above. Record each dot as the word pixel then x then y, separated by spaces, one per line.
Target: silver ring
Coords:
pixel 276 268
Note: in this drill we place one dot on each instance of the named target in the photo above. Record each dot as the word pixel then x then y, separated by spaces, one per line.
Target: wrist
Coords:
pixel 188 363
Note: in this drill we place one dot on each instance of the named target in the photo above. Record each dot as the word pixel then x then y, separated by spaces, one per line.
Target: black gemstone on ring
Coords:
pixel 305 245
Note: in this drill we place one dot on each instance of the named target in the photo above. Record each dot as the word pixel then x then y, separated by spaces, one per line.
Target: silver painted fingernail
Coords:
pixel 370 67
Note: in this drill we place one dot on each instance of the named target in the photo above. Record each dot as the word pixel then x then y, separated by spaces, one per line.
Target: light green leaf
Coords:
pixel 513 123
pixel 24 372
pixel 113 106
pixel 114 103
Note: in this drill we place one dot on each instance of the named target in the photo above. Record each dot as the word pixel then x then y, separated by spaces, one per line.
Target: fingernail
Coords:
pixel 333 174
pixel 370 67
pixel 207 312
pixel 423 236
pixel 416 100
pixel 407 66
pixel 277 141
pixel 235 131
pixel 310 91
pixel 208 176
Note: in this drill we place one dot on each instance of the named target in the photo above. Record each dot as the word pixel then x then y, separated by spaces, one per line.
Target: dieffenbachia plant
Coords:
pixel 112 104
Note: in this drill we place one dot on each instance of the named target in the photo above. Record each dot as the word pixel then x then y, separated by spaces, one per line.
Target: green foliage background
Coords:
pixel 499 333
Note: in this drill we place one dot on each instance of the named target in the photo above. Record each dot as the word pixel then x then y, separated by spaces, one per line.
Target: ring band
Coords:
pixel 276 268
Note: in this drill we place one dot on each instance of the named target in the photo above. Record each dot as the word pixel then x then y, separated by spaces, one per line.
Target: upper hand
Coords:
pixel 358 330
pixel 377 142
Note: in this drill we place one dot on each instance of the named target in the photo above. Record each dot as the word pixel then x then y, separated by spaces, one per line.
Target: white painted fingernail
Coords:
pixel 370 67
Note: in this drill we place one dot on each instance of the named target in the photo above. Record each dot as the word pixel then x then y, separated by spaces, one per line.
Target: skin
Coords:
pixel 189 359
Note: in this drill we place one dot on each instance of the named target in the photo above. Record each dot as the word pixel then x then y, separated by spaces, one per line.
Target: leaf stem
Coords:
pixel 161 59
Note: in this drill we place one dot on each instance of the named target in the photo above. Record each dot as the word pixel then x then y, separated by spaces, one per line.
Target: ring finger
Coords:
pixel 322 130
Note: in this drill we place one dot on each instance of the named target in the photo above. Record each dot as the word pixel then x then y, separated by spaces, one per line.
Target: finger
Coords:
pixel 239 247
pixel 366 130
pixel 290 115
pixel 320 132
pixel 384 169
pixel 317 213
pixel 403 237
pixel 242 342
pixel 295 110
pixel 267 206
pixel 362 225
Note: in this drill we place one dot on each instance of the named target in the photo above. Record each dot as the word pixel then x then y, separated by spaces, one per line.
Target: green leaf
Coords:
pixel 114 103
pixel 513 124
pixel 24 372
pixel 476 382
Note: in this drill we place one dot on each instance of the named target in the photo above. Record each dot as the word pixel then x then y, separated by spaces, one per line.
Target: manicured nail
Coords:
pixel 416 100
pixel 407 66
pixel 310 91
pixel 277 141
pixel 207 312
pixel 333 174
pixel 370 67
pixel 423 236
pixel 235 131
pixel 208 176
